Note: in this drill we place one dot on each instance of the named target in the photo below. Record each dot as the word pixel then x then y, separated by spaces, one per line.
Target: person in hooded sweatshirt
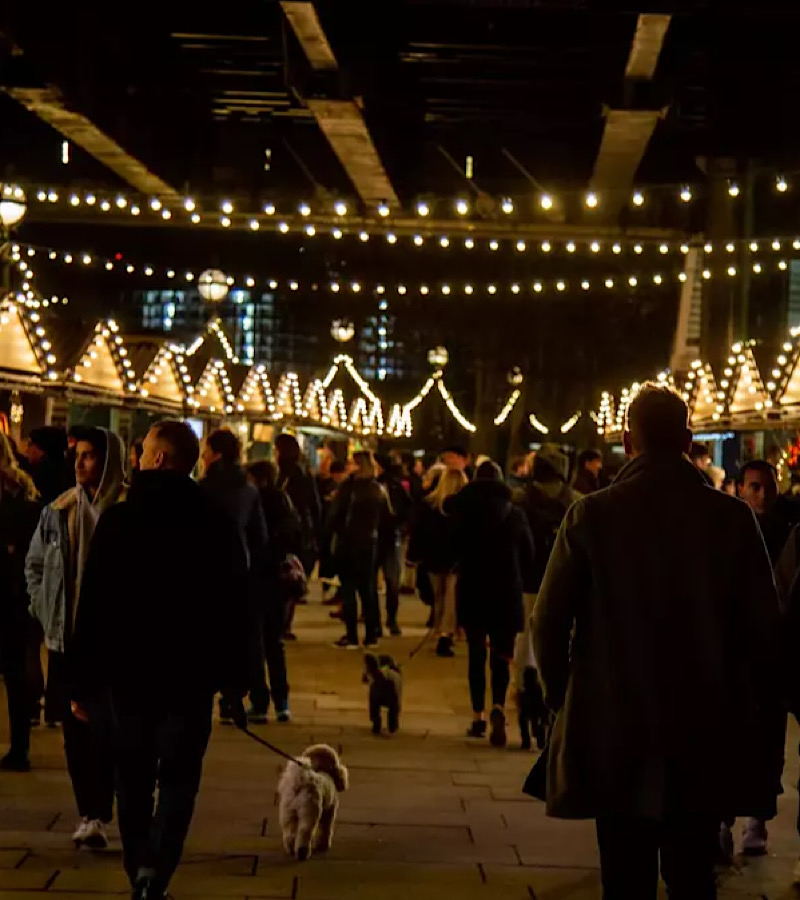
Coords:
pixel 226 486
pixel 54 569
pixel 162 626
pixel 495 561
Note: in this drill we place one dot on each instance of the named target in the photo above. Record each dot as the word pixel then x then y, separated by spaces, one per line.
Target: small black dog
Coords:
pixel 385 691
pixel 533 714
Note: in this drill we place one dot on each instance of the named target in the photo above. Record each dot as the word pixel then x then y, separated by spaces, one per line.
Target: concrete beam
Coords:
pixel 648 39
pixel 341 121
pixel 343 125
pixel 627 132
pixel 48 104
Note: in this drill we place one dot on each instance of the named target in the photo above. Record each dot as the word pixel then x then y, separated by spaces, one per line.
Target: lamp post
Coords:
pixel 213 286
pixel 342 330
pixel 12 211
pixel 438 357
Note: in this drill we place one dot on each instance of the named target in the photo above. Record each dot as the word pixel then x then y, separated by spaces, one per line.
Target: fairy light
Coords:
pixel 505 412
pixel 454 410
pixel 570 423
pixel 539 426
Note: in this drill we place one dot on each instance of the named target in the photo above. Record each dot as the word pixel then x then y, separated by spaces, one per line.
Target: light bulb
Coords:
pixel 637 248
pixel 311 230
pixel 591 200
pixel 225 222
pixel 444 242
pixel 776 245
pixel 469 243
pixel 537 286
pixel 733 189
pixel 391 238
pixel 546 201
pixel 521 246
pixel 571 247
pixel 617 248
pixel 664 248
pixel 418 241
pixel 595 246
pixel 305 209
pixel 423 209
pixel 283 228
pixel 340 207
pixel 585 285
pixel 155 204
pixel 781 184
pixel 337 234
pixel 269 209
pixel 507 206
pixel 462 207
pixel 686 194
pixel 189 205
pixel 195 218
pixel 561 286
pixel 638 198
pixel 383 210
pixel 494 245
pixel 254 226
pixel 546 247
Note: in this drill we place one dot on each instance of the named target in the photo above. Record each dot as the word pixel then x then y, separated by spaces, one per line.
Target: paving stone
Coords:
pixel 430 813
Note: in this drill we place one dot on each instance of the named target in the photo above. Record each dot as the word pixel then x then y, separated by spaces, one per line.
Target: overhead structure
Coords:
pixel 340 120
pixel 628 130
pixel 49 105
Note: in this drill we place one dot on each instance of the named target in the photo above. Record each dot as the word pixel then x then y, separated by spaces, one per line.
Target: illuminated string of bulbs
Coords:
pixel 31 323
pixel 221 211
pixel 505 412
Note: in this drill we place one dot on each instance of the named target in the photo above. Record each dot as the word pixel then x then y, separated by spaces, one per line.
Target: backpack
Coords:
pixel 545 515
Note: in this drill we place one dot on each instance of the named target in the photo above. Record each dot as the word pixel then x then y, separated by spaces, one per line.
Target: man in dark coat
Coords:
pixel 656 651
pixel 161 626
pixel 495 561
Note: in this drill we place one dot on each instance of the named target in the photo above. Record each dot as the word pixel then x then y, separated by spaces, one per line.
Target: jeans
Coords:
pixel 267 648
pixel 87 747
pixel 391 564
pixel 15 636
pixel 500 654
pixel 164 748
pixel 443 586
pixel 629 857
pixel 358 573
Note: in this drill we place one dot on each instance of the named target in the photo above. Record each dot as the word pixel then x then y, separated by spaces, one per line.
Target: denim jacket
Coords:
pixel 47 570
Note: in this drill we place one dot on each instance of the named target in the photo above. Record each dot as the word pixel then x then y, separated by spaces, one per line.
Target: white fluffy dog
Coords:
pixel 309 800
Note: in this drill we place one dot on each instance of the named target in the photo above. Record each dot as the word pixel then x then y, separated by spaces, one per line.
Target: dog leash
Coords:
pixel 276 750
pixel 420 645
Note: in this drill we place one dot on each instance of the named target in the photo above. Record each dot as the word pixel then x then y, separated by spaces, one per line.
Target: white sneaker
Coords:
pixel 754 837
pixel 96 837
pixel 81 831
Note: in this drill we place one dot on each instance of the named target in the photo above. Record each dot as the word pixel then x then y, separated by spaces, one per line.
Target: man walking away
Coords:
pixel 656 652
pixel 54 570
pixel 225 485
pixel 170 634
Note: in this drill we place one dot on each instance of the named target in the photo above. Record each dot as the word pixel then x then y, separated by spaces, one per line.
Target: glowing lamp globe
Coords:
pixel 12 205
pixel 213 286
pixel 515 376
pixel 438 357
pixel 342 330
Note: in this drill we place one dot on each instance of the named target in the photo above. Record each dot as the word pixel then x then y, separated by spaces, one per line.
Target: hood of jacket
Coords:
pixel 112 481
pixel 486 504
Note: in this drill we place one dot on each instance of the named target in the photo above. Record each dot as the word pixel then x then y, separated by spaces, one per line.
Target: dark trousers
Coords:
pixel 15 639
pixel 500 651
pixel 630 850
pixel 359 575
pixel 158 748
pixel 391 566
pixel 267 648
pixel 87 747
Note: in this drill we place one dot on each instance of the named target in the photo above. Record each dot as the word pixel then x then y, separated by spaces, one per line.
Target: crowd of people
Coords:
pixel 640 625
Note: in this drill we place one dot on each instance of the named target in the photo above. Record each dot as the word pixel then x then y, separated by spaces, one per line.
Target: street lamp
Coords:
pixel 213 286
pixel 12 210
pixel 438 357
pixel 342 330
pixel 12 205
pixel 515 376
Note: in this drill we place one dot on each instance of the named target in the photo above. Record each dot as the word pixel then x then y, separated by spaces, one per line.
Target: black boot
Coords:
pixel 445 646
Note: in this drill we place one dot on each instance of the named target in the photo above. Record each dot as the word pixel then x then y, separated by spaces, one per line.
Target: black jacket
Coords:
pixel 162 615
pixel 432 542
pixel 283 527
pixel 400 502
pixel 18 520
pixel 302 491
pixel 227 487
pixel 495 557
pixel 359 514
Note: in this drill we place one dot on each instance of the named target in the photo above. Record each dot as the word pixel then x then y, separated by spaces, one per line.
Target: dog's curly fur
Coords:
pixel 309 800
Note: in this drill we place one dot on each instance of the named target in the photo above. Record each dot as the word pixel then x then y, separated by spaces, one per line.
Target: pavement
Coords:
pixel 428 811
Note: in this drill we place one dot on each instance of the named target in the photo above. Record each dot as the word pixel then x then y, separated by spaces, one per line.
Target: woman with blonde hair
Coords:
pixel 19 512
pixel 432 545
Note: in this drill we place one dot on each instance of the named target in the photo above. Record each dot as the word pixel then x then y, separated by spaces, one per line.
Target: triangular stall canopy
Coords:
pixel 212 392
pixel 707 401
pixel 102 364
pixel 163 381
pixel 24 348
pixel 747 394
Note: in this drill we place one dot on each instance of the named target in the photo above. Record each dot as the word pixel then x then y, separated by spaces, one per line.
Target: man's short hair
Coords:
pixel 97 440
pixel 698 451
pixel 488 470
pixel 658 420
pixel 456 450
pixel 587 456
pixel 756 465
pixel 183 448
pixel 225 442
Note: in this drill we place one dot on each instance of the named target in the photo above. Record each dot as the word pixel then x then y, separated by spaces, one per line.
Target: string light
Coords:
pixel 546 201
pixel 781 184
pixel 638 198
pixel 454 410
pixel 570 423
pixel 505 412
pixel 591 200
pixel 539 426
